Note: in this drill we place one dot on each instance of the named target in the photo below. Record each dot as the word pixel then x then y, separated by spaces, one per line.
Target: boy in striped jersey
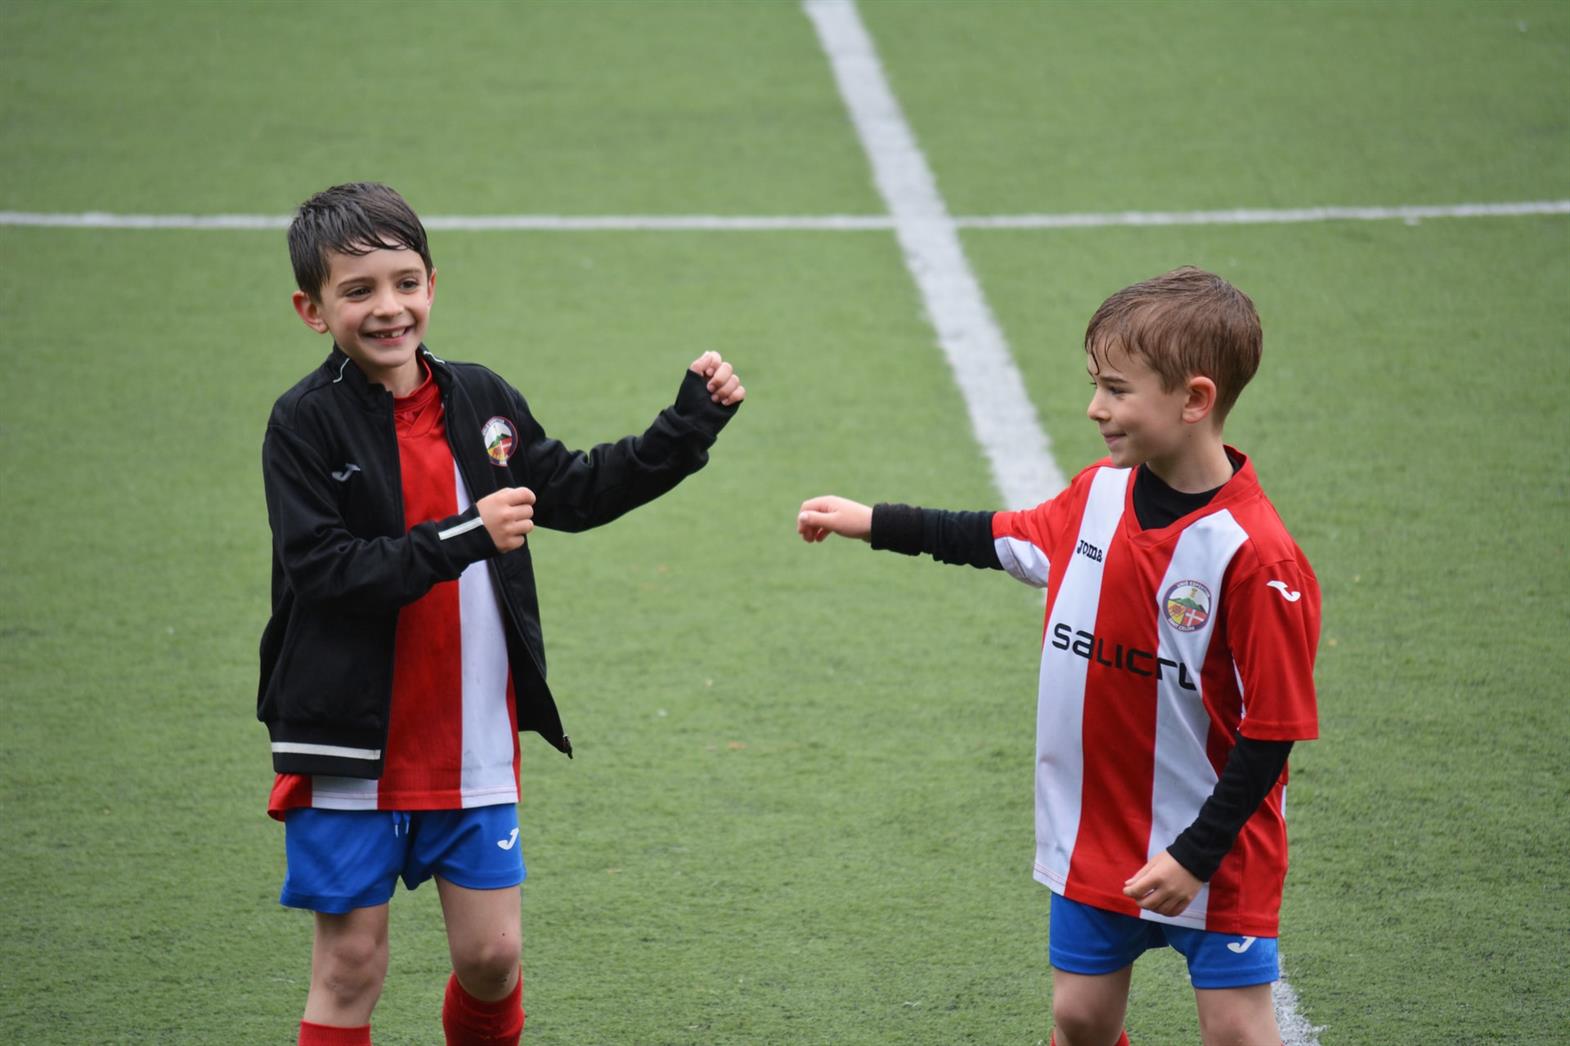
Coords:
pixel 404 651
pixel 1176 666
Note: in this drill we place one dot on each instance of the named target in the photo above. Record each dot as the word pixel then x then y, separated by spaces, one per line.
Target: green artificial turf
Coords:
pixel 467 107
pixel 1142 105
pixel 801 804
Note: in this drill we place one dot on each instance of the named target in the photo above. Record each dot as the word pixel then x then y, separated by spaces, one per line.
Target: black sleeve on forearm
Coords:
pixel 1252 770
pixel 962 538
pixel 575 489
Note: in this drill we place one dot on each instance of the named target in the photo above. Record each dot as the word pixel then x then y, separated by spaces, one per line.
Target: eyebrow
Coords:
pixel 347 281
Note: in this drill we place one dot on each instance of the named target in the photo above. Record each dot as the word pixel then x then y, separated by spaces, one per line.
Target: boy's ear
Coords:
pixel 310 311
pixel 1200 400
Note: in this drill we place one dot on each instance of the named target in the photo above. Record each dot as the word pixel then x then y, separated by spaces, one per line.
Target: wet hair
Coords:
pixel 356 218
pixel 1184 323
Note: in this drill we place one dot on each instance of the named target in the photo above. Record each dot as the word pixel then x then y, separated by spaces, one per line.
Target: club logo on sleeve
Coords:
pixel 499 438
pixel 1187 606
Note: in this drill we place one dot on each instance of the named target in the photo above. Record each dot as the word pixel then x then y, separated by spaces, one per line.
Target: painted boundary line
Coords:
pixel 811 222
pixel 1294 1027
pixel 470 223
pixel 1256 216
pixel 1003 418
pixel 1001 415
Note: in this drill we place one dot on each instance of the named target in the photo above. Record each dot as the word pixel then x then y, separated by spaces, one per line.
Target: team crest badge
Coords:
pixel 499 438
pixel 1187 606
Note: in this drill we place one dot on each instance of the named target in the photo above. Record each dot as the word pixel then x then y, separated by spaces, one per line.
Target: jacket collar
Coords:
pixel 340 369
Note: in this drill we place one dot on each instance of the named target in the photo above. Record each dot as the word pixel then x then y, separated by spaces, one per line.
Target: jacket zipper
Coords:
pixel 497 581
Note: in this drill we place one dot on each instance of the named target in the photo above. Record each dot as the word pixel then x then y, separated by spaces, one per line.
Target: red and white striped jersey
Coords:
pixel 1160 646
pixel 452 739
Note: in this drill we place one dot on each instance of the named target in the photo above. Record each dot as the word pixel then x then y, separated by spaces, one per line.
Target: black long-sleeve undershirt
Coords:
pixel 965 539
pixel 961 538
pixel 1252 770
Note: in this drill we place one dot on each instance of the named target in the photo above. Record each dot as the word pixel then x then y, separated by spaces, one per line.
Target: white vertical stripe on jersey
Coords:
pixel 1060 703
pixel 1184 777
pixel 487 775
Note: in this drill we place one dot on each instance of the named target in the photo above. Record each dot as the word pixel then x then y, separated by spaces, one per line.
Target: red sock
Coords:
pixel 1052 1040
pixel 468 1021
pixel 328 1035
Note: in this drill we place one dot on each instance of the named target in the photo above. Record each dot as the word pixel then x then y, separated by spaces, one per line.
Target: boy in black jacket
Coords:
pixel 404 651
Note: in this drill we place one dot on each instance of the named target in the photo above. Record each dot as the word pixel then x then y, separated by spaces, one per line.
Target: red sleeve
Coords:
pixel 1273 633
pixel 1026 538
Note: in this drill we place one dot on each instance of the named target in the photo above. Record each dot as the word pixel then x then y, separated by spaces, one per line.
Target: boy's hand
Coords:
pixel 827 515
pixel 1163 886
pixel 724 385
pixel 509 516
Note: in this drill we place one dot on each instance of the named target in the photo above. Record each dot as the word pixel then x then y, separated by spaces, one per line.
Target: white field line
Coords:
pixel 1259 216
pixel 1001 415
pixel 809 222
pixel 471 223
pixel 1294 1027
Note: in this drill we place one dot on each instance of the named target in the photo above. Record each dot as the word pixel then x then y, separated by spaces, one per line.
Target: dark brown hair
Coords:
pixel 356 218
pixel 1184 323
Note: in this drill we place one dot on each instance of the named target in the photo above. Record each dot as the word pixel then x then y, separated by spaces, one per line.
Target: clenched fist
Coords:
pixel 508 515
pixel 723 383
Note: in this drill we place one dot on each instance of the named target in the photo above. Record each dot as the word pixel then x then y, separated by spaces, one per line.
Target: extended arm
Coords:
pixel 963 538
pixel 576 490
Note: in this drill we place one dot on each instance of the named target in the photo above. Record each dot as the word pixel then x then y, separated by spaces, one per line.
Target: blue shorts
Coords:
pixel 1093 941
pixel 345 859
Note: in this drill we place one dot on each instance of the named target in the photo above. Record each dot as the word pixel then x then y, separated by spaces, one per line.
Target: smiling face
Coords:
pixel 1141 421
pixel 376 306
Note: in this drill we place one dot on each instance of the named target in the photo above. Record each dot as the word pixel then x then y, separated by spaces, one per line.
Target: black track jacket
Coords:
pixel 343 564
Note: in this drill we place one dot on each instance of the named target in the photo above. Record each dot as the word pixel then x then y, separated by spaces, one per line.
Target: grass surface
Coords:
pixel 1027 107
pixel 464 106
pixel 800 807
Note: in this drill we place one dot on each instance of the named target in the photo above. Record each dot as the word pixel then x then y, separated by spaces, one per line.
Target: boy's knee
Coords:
pixel 1079 1024
pixel 488 964
pixel 352 966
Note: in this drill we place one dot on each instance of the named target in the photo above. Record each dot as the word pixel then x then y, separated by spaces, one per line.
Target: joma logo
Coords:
pixel 1089 551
